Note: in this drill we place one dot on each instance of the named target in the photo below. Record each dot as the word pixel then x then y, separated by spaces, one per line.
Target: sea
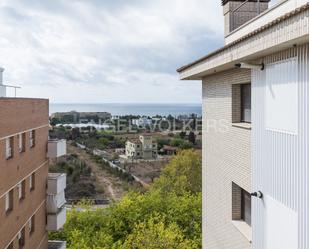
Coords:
pixel 127 109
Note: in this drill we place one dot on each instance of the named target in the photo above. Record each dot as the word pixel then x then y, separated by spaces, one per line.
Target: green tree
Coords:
pixel 182 174
pixel 191 137
pixel 168 216
pixel 155 234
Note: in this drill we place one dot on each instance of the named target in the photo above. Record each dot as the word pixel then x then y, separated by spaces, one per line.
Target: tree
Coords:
pixel 168 216
pixel 153 175
pixel 155 234
pixel 191 137
pixel 182 174
pixel 75 133
pixel 182 135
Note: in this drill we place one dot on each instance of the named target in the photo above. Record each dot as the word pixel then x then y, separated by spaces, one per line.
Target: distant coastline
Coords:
pixel 127 109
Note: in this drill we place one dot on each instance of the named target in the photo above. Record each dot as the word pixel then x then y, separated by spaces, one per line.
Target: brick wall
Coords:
pixel 226 159
pixel 17 116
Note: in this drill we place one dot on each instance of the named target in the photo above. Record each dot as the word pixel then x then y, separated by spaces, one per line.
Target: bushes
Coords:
pixel 80 182
pixel 168 216
pixel 117 172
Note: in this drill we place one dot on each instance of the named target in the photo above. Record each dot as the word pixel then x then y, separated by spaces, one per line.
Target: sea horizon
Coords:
pixel 146 109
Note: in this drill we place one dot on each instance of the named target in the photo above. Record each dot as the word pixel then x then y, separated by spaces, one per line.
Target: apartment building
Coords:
pixel 143 147
pixel 256 127
pixel 31 200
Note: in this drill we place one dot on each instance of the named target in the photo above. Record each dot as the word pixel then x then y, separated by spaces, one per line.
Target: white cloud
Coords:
pixel 106 51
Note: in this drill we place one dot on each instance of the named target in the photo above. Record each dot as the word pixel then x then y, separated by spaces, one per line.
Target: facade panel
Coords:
pixel 280 160
pixel 226 161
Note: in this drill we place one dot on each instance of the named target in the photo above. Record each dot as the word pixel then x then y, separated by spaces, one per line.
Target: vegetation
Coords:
pixel 167 216
pixel 115 171
pixel 80 181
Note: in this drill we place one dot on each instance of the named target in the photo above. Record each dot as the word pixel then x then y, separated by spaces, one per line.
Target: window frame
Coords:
pixel 239 204
pixel 21 186
pixel 21 237
pixel 9 201
pixel 242 105
pixel 22 142
pixel 9 147
pixel 32 225
pixel 32 138
pixel 32 182
pixel 245 194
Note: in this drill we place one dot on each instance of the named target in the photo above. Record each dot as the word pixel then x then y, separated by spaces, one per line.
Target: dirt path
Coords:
pixel 111 184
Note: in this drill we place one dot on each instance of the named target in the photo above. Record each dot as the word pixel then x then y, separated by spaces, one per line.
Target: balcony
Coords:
pixel 55 202
pixel 56 221
pixel 56 183
pixel 277 9
pixel 53 244
pixel 8 91
pixel 56 148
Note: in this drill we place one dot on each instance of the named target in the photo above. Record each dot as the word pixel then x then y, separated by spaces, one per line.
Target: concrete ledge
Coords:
pixel 243 228
pixel 246 126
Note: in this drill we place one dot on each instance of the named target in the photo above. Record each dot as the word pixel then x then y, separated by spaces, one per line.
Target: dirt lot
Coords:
pixel 145 170
pixel 114 188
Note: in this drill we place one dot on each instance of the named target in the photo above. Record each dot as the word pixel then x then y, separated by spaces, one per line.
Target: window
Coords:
pixel 9 201
pixel 21 142
pixel 10 246
pixel 241 103
pixel 246 207
pixel 241 204
pixel 9 142
pixel 21 190
pixel 21 238
pixel 32 138
pixel 246 103
pixel 32 182
pixel 31 224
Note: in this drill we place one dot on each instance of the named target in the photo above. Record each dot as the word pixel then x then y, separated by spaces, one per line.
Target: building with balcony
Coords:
pixel 256 127
pixel 143 147
pixel 27 210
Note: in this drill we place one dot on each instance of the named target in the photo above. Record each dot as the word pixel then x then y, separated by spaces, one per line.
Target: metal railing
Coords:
pixel 9 86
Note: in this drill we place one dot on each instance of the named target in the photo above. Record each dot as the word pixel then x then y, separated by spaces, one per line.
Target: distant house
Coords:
pixel 142 122
pixel 143 147
pixel 169 150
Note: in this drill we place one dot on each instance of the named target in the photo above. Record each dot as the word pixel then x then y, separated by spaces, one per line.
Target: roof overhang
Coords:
pixel 284 32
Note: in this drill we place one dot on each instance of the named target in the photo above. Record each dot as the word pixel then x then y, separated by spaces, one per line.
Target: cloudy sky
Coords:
pixel 94 51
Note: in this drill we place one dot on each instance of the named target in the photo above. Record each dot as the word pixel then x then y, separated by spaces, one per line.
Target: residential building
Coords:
pixel 143 147
pixel 31 200
pixel 256 128
pixel 73 117
pixel 143 122
pixel 169 150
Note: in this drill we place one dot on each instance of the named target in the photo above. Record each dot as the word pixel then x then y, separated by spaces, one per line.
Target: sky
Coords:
pixel 106 51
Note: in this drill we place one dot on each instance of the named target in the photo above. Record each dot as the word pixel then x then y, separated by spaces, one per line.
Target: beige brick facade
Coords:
pixel 226 159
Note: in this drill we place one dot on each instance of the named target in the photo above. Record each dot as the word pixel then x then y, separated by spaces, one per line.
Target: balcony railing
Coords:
pixel 56 221
pixel 56 148
pixel 4 90
pixel 56 183
pixel 55 202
